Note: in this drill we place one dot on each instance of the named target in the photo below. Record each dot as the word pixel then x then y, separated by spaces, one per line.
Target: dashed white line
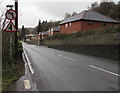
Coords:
pixel 112 73
pixel 67 58
pixel 27 84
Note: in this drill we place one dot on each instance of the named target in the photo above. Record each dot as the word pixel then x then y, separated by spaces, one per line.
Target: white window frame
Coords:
pixel 66 25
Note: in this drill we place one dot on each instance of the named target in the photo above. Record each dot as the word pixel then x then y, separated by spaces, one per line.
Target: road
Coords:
pixel 56 70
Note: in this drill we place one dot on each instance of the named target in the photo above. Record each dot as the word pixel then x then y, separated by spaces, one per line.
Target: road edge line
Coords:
pixel 28 61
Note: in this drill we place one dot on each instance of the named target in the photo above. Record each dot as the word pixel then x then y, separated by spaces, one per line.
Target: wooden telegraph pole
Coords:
pixel 16 25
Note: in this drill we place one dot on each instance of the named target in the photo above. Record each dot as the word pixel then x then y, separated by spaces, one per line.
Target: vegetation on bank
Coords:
pixel 12 72
pixel 103 36
pixel 13 69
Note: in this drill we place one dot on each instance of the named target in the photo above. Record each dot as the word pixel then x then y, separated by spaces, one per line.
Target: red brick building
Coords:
pixel 53 31
pixel 84 21
pixel 42 35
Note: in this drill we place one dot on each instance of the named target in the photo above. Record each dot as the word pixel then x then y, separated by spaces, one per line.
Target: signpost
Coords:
pixel 10 27
pixel 10 15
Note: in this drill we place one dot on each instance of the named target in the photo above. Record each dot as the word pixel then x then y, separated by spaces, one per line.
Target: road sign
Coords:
pixel 10 27
pixel 11 14
pixel 5 23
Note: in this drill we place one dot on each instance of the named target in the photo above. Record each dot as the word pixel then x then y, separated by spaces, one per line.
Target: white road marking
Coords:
pixel 29 64
pixel 112 73
pixel 27 84
pixel 67 58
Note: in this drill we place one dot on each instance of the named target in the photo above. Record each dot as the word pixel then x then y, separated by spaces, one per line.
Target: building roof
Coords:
pixel 30 35
pixel 43 33
pixel 89 15
pixel 55 29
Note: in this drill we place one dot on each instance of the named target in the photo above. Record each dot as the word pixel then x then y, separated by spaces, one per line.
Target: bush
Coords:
pixel 57 36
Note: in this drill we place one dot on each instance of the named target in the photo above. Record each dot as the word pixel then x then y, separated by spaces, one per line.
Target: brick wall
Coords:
pixel 86 25
pixel 75 26
pixel 82 25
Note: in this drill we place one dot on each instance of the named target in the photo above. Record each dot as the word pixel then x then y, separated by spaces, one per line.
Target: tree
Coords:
pixel 74 13
pixel 44 26
pixel 23 33
pixel 67 15
pixel 94 6
pixel 108 8
pixel 39 27
pixel 118 11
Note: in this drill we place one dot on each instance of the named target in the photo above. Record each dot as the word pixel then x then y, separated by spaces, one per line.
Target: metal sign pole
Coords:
pixel 10 46
pixel 16 24
pixel 39 39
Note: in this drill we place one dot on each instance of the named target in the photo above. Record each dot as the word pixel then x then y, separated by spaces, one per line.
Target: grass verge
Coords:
pixel 11 73
pixel 13 69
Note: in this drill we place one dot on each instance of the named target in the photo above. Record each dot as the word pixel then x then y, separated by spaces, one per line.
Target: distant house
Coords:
pixel 84 21
pixel 30 36
pixel 53 31
pixel 42 35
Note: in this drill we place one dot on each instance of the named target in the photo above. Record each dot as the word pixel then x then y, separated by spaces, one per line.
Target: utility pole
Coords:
pixel 16 25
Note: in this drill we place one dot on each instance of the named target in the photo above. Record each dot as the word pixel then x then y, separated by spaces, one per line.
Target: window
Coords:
pixel 66 25
pixel 90 23
pixel 70 24
pixel 51 33
pixel 52 29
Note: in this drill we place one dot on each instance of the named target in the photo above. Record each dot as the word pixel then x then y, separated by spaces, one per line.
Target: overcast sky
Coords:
pixel 30 11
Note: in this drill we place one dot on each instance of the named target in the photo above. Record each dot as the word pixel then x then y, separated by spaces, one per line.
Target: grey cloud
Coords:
pixel 58 9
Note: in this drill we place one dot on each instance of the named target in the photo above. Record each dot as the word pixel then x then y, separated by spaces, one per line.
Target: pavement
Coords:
pixel 56 70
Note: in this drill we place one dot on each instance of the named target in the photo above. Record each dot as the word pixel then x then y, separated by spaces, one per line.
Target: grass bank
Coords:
pixel 103 36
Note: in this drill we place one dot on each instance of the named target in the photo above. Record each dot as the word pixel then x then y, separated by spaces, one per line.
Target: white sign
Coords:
pixel 10 27
pixel 11 14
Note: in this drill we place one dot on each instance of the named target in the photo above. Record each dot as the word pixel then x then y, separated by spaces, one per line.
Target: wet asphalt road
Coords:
pixel 56 70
